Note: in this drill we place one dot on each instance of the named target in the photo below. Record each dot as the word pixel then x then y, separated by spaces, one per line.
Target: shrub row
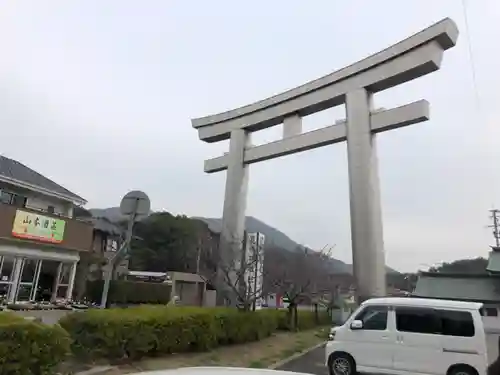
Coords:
pixel 142 331
pixel 30 348
pixel 123 292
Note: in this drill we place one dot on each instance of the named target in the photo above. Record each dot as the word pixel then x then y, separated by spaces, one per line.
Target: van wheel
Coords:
pixel 462 370
pixel 341 364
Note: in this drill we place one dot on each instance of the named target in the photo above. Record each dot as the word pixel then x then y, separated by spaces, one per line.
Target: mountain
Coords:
pixel 113 214
pixel 252 225
pixel 273 235
pixel 279 239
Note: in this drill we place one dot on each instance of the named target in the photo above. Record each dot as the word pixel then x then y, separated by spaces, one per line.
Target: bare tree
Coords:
pixel 297 276
pixel 234 270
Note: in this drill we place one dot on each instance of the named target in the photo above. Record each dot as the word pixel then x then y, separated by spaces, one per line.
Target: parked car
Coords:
pixel 409 336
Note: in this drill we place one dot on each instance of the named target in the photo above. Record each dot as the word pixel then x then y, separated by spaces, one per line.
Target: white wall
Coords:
pixel 37 201
pixel 491 323
pixel 34 252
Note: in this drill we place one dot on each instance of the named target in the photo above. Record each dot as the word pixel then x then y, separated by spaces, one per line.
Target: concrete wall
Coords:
pixel 491 323
pixel 47 316
pixel 210 298
pixel 190 294
pixel 41 203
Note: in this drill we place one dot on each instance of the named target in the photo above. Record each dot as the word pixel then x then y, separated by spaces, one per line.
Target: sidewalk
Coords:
pixel 310 363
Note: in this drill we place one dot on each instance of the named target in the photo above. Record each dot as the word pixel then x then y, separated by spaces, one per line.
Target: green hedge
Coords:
pixel 129 292
pixel 8 317
pixel 30 348
pixel 157 330
pixel 235 327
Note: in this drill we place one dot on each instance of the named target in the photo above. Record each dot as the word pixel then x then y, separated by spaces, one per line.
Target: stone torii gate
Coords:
pixel 353 86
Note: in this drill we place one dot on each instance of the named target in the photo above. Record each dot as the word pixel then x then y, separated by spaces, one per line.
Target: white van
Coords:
pixel 409 336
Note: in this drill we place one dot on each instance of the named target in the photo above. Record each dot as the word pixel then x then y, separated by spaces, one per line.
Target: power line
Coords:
pixel 471 56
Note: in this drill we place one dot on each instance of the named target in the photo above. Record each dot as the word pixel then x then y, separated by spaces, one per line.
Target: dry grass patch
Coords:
pixel 260 354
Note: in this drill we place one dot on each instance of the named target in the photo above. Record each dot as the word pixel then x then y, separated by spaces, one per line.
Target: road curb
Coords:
pixel 96 370
pixel 295 356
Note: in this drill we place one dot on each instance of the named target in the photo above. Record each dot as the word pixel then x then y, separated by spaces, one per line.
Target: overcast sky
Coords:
pixel 98 95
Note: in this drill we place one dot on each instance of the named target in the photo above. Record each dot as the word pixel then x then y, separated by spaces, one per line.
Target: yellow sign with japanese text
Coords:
pixel 37 227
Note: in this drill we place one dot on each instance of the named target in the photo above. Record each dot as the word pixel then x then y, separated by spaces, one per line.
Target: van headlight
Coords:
pixel 331 336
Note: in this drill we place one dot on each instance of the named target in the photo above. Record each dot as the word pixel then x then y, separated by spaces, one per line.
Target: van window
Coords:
pixel 373 318
pixel 417 320
pixel 456 323
pixel 435 321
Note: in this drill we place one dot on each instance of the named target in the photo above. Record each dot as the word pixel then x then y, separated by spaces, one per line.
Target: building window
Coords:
pixel 104 241
pixel 62 290
pixel 13 199
pixel 5 197
pixel 373 318
pixel 490 311
pixel 30 272
pixel 64 280
pixel 64 275
pixel 6 274
pixel 19 201
pixel 111 245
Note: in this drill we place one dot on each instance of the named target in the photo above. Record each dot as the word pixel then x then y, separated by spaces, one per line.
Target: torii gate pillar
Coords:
pixel 366 214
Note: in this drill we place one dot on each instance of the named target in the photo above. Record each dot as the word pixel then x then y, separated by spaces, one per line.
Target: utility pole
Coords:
pixel 495 213
pixel 198 256
pixel 134 204
pixel 123 250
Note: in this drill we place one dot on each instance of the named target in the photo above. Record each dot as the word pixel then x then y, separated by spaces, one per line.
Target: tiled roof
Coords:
pixel 104 225
pixel 469 288
pixel 493 262
pixel 15 170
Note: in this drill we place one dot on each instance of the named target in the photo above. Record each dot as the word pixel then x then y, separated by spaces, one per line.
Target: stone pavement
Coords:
pixel 309 363
pixel 47 316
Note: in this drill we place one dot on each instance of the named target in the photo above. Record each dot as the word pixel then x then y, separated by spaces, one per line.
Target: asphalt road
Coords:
pixel 310 363
pixel 313 362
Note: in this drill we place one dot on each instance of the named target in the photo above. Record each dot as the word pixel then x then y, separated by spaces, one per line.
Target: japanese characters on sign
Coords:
pixel 37 227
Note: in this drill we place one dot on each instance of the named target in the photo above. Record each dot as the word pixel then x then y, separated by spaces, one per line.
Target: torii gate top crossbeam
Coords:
pixel 411 58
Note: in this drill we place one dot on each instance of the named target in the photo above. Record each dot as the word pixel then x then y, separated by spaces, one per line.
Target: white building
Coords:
pixel 484 288
pixel 254 266
pixel 40 241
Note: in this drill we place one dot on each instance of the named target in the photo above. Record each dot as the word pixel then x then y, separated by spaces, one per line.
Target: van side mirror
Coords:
pixel 357 324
